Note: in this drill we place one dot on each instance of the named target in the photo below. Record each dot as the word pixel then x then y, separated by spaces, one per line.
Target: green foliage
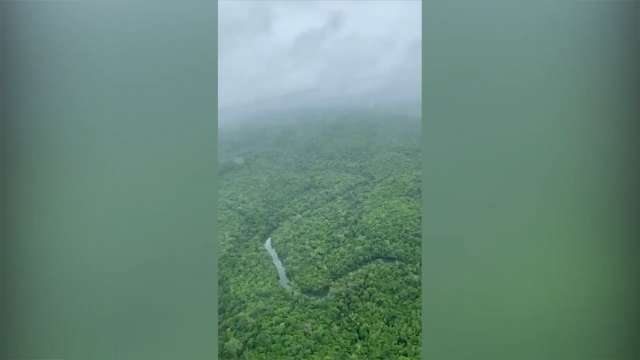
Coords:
pixel 340 197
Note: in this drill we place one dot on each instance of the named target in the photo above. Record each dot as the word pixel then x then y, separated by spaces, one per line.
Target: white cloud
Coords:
pixel 272 48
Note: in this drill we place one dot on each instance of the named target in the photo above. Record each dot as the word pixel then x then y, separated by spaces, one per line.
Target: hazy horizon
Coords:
pixel 318 53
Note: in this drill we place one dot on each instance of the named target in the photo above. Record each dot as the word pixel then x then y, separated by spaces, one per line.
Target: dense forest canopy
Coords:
pixel 338 192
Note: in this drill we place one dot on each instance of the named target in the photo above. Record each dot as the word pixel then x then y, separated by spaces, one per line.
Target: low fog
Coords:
pixel 280 55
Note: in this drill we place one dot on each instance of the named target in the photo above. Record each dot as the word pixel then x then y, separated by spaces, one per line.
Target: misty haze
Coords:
pixel 319 214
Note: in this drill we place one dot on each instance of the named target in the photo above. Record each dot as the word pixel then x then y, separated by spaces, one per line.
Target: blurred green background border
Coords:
pixel 529 245
pixel 109 190
pixel 111 179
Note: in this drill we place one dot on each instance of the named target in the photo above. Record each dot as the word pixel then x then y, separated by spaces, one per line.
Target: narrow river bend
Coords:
pixel 282 275
pixel 284 281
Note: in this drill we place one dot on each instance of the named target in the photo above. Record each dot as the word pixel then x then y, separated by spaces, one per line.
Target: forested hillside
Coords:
pixel 339 195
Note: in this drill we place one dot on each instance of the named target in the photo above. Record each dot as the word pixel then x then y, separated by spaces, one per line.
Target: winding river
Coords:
pixel 284 281
pixel 282 275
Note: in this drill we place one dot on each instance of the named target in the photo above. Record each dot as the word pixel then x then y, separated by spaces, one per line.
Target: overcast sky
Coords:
pixel 339 47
